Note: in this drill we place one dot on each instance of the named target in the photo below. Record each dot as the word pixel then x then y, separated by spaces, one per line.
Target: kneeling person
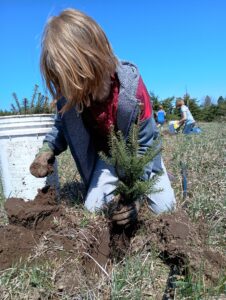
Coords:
pixel 95 91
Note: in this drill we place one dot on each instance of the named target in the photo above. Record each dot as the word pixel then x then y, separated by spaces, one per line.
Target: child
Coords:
pixel 186 117
pixel 161 115
pixel 95 91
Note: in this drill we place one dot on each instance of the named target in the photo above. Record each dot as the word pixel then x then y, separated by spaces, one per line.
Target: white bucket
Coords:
pixel 21 136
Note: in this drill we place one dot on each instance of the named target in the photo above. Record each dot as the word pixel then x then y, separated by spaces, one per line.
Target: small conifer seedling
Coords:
pixel 39 104
pixel 129 164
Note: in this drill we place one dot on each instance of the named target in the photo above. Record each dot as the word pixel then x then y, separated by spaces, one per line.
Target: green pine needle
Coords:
pixel 129 165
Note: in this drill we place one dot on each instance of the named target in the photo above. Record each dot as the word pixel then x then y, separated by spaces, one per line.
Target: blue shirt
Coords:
pixel 161 116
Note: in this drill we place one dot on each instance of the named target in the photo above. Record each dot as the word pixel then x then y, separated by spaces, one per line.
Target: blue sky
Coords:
pixel 177 45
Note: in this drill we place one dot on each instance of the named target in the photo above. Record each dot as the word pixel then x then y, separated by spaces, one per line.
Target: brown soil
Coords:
pixel 61 232
pixel 33 214
pixel 27 222
pixel 46 221
pixel 181 243
pixel 16 242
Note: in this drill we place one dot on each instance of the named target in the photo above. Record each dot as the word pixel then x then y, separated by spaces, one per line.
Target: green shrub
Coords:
pixel 38 104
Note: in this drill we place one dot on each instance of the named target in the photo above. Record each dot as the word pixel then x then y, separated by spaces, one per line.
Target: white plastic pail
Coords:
pixel 21 136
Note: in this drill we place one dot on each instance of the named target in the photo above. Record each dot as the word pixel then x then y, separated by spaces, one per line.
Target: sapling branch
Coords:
pixel 129 164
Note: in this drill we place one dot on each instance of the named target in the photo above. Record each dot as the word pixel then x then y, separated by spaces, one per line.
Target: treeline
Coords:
pixel 206 111
pixel 38 104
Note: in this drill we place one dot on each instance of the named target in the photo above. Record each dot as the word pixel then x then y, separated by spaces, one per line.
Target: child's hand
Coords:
pixel 126 214
pixel 43 163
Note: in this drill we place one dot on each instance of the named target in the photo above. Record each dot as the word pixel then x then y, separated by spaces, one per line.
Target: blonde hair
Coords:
pixel 76 58
pixel 179 102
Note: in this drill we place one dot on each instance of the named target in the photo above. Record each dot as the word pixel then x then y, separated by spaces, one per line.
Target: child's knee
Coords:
pixel 160 205
pixel 96 199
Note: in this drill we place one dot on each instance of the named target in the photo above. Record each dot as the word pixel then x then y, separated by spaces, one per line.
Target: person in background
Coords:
pixel 161 115
pixel 95 91
pixel 186 117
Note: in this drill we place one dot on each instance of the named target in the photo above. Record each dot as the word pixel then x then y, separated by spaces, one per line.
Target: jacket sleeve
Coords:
pixel 55 138
pixel 148 131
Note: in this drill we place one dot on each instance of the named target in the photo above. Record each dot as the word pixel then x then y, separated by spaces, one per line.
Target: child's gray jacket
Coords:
pixel 69 129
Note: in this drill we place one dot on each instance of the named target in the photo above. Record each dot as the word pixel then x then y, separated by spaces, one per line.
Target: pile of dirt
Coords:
pixel 32 214
pixel 69 233
pixel 27 222
pixel 44 221
pixel 183 244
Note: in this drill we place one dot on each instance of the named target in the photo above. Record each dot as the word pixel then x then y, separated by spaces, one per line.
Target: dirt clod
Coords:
pixel 31 214
pixel 27 222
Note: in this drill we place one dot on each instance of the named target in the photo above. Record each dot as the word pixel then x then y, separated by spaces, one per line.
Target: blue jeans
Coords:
pixel 188 128
pixel 104 182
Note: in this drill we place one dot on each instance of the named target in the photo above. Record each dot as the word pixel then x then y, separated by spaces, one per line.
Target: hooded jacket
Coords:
pixel 69 129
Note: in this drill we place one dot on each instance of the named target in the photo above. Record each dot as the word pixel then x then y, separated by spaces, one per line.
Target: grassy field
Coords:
pixel 143 275
pixel 205 158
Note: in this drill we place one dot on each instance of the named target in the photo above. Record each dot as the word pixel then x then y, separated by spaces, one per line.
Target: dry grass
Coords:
pixel 205 158
pixel 140 275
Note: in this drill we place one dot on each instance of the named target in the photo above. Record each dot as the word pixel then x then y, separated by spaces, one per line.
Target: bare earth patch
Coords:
pixel 45 230
pixel 182 243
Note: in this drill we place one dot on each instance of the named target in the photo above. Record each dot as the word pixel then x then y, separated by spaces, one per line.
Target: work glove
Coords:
pixel 43 162
pixel 126 214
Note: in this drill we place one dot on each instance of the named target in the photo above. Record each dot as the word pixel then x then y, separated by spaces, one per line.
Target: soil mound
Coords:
pixel 27 222
pixel 66 232
pixel 181 243
pixel 57 228
pixel 32 213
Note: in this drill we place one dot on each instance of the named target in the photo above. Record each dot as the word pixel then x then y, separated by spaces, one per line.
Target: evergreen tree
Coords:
pixel 18 106
pixel 207 101
pixel 209 113
pixel 13 109
pixel 221 100
pixel 129 166
pixel 37 105
pixel 5 112
pixel 168 104
pixel 154 101
pixel 25 106
pixel 221 109
pixel 33 97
